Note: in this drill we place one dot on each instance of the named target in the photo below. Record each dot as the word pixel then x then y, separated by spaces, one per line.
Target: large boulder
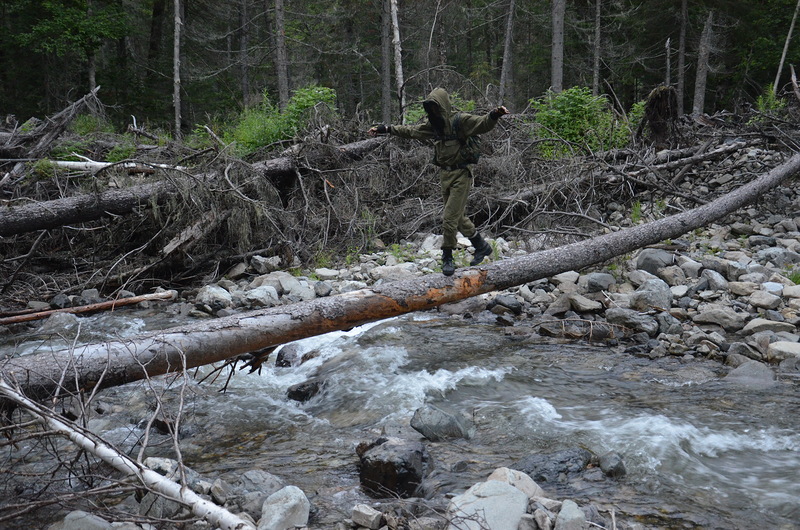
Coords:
pixel 491 504
pixel 436 424
pixel 391 466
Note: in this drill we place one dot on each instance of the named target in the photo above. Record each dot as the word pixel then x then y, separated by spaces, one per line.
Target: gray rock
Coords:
pixel 779 257
pixel 764 300
pixel 742 288
pixel 158 507
pixel 744 350
pixel 436 424
pixel 322 289
pixel 722 316
pixel 519 480
pixel 716 281
pixel 263 296
pixel 214 297
pixel 260 481
pixel 323 273
pixel 782 350
pixel 392 466
pixel 490 504
pixel 80 520
pixel 571 517
pixel 581 304
pixel 752 375
pixel 597 281
pixel 509 302
pixel 285 509
pixel 758 325
pixel 652 294
pixel 612 465
pixel 673 275
pixel 652 259
pixel 638 277
pixel 632 319
pixel 263 265
pixel 366 516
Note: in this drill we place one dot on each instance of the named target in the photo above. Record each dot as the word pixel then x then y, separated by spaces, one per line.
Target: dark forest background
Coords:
pixel 54 51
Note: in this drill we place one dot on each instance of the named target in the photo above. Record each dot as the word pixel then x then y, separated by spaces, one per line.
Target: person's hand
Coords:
pixel 378 129
pixel 499 111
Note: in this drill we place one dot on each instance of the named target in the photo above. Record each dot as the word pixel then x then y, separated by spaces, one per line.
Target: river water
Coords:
pixel 700 451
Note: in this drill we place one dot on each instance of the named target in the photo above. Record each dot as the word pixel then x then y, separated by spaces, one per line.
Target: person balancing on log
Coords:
pixel 455 149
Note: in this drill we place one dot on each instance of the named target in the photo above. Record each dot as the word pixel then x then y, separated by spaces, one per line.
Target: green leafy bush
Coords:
pixel 122 151
pixel 574 117
pixel 266 124
pixel 86 124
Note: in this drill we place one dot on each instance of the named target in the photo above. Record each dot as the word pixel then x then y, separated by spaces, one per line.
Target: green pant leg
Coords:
pixel 456 186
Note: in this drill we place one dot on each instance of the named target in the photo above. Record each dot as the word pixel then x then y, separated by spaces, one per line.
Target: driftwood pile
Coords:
pixel 171 215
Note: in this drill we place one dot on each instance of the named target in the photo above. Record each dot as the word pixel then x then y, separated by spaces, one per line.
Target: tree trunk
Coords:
pixel 557 49
pixel 398 61
pixel 785 48
pixel 386 62
pixel 682 56
pixel 281 56
pixel 176 69
pixel 668 54
pixel 156 31
pixel 59 212
pixel 244 26
pixel 702 66
pixel 598 9
pixel 118 362
pixel 506 73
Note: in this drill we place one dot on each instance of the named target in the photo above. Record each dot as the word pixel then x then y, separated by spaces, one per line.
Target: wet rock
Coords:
pixel 612 465
pixel 490 504
pixel 260 481
pixel 306 390
pixel 559 306
pixel 752 375
pixel 436 425
pixel 555 467
pixel 286 508
pixel 289 355
pixel 390 466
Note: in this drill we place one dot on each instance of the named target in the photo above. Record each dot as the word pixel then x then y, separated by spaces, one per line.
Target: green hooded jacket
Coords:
pixel 447 153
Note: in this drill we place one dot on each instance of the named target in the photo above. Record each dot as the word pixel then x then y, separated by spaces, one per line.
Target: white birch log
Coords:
pixel 202 508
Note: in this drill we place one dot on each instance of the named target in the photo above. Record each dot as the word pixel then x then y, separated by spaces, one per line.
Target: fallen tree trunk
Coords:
pixel 115 363
pixel 60 212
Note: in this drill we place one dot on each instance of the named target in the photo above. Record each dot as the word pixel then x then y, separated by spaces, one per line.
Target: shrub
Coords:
pixel 575 116
pixel 266 124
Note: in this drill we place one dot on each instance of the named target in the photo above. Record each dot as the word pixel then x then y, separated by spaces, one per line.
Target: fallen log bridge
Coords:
pixel 114 363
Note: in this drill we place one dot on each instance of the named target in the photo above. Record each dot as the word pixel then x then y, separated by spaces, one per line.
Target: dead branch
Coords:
pixel 90 308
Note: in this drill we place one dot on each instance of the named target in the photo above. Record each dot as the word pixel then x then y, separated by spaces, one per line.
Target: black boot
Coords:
pixel 482 249
pixel 448 267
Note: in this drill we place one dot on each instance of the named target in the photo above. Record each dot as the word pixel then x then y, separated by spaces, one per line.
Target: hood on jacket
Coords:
pixel 441 99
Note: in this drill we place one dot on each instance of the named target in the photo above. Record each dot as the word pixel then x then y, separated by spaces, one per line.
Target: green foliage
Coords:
pixel 575 116
pixel 63 27
pixel 122 151
pixel 266 124
pixel 401 252
pixel 69 150
pixel 86 124
pixel 636 212
pixel 768 102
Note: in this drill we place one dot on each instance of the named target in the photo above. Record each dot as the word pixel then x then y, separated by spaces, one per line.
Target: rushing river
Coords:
pixel 700 452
